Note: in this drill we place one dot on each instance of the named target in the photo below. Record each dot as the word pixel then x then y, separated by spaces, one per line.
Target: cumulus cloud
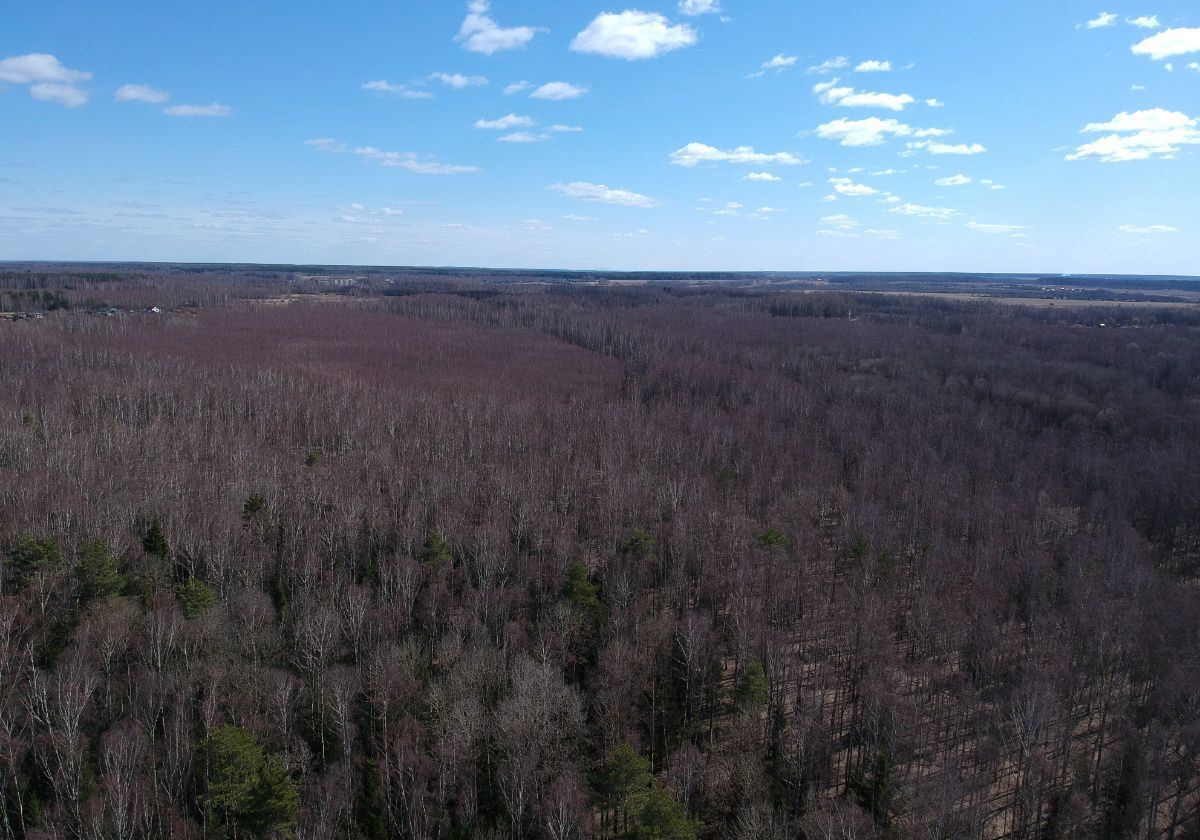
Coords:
pixel 214 110
pixel 953 181
pixel 1147 229
pixel 566 129
pixel 765 177
pixel 68 96
pixel 1103 20
pixel 1152 133
pixel 558 91
pixel 830 66
pixel 479 33
pixel 633 35
pixel 935 147
pixel 141 93
pixel 692 8
pixel 847 187
pixel 48 79
pixel 1168 43
pixel 921 212
pixel 1145 22
pixel 507 122
pixel 831 93
pixel 694 154
pixel 869 132
pixel 874 67
pixel 601 194
pixel 402 91
pixel 517 87
pixel 935 103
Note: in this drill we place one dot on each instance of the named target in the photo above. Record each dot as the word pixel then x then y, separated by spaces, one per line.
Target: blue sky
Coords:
pixel 676 134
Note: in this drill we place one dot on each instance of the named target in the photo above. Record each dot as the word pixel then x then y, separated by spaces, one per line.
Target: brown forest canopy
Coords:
pixel 449 556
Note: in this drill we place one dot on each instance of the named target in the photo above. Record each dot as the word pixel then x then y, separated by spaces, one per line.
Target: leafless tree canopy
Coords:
pixel 528 560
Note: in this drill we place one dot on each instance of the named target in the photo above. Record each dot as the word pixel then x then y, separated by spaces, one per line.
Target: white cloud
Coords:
pixel 761 176
pixel 922 212
pixel 481 34
pixel 558 91
pixel 66 95
pixel 571 217
pixel 692 8
pixel 633 35
pixel 995 229
pixel 566 129
pixel 847 97
pixel 696 153
pixel 507 122
pixel 392 160
pixel 517 87
pixel 779 63
pixel 411 161
pixel 213 110
pixel 1153 133
pixel 1195 65
pixel 840 221
pixel 830 66
pixel 328 144
pixel 1105 19
pixel 935 103
pixel 847 187
pixel 523 137
pixel 1147 229
pixel 936 148
pixel 874 67
pixel 1169 42
pixel 537 225
pixel 402 91
pixel 1145 22
pixel 142 93
pixel 869 132
pixel 458 81
pixel 953 181
pixel 48 79
pixel 39 67
pixel 602 194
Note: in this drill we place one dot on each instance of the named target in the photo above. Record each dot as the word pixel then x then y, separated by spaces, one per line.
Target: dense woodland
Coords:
pixel 567 561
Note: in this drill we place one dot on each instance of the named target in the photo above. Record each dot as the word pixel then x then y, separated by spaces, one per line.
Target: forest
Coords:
pixel 566 560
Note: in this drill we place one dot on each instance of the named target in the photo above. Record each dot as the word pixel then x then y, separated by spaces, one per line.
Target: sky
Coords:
pixel 737 135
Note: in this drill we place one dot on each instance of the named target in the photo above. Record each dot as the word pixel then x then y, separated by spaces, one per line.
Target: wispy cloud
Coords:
pixel 601 194
pixel 411 161
pixel 558 91
pixel 141 93
pixel 403 91
pixel 694 154
pixel 214 110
